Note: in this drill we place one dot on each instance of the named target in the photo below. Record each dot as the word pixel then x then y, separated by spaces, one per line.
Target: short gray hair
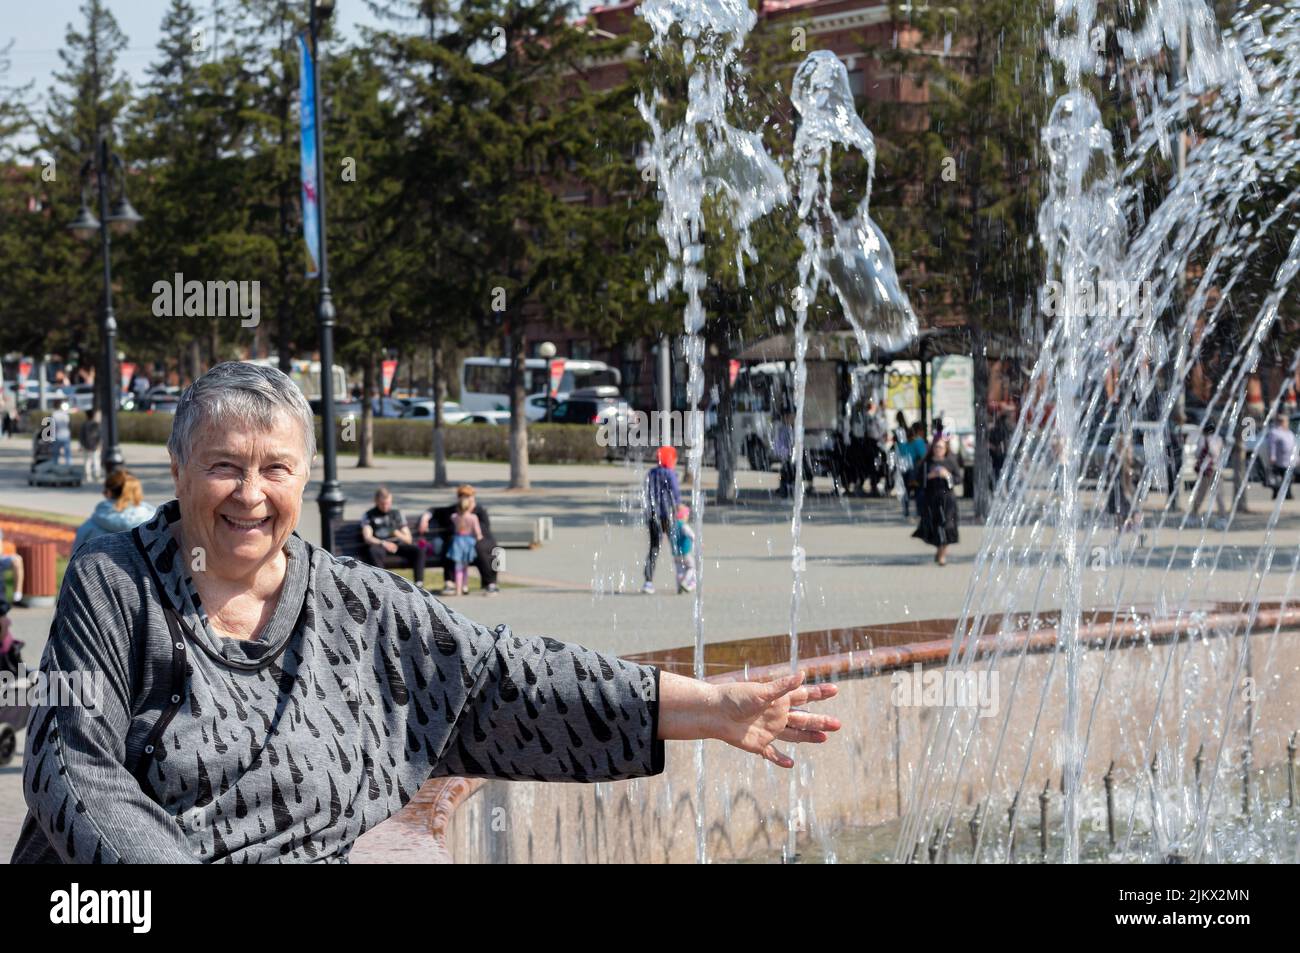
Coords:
pixel 243 396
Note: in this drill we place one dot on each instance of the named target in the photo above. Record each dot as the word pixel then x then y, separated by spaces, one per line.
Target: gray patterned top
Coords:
pixel 288 747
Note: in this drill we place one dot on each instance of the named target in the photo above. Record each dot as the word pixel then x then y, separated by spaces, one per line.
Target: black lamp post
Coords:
pixel 121 218
pixel 331 499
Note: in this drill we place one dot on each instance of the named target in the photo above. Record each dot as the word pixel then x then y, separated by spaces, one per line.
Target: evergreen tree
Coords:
pixel 960 175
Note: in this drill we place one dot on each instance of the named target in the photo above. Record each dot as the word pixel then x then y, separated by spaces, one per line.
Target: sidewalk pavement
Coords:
pixel 862 565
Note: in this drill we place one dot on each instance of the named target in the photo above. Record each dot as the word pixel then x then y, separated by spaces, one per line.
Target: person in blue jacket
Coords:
pixel 121 509
pixel 663 495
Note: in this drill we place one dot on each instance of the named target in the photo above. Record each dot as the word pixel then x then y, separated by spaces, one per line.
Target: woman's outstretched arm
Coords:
pixel 752 716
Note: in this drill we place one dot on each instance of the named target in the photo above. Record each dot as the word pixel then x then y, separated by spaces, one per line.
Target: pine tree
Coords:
pixel 960 176
pixel 60 285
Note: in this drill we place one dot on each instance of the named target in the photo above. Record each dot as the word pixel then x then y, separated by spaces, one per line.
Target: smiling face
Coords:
pixel 240 494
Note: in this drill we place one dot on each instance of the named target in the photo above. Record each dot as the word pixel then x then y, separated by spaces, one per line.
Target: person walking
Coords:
pixel 1121 502
pixel 1209 460
pixel 464 544
pixel 121 509
pixel 62 434
pixel 875 447
pixel 856 456
pixel 938 510
pixel 663 495
pixel 384 531
pixel 783 450
pixel 1174 463
pixel 999 440
pixel 90 435
pixel 8 413
pixel 911 455
pixel 1280 445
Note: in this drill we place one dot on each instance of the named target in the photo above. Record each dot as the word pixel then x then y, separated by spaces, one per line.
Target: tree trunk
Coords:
pixel 518 395
pixel 725 444
pixel 366 445
pixel 983 459
pixel 196 360
pixel 214 344
pixel 439 443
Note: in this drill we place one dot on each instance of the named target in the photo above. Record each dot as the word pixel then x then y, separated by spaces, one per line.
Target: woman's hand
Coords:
pixel 758 714
pixel 424 524
pixel 751 716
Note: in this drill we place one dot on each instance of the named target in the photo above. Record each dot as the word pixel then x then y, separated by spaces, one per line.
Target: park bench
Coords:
pixel 510 532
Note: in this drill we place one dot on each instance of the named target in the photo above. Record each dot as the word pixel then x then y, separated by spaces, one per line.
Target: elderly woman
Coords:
pixel 266 701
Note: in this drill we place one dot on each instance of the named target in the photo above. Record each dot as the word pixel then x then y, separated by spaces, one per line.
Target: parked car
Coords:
pixel 164 404
pixel 496 417
pixel 452 412
pixel 343 409
pixel 596 410
pixel 161 390
pixel 388 407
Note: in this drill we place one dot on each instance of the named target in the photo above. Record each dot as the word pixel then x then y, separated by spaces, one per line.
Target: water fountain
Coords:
pixel 1140 685
pixel 1096 380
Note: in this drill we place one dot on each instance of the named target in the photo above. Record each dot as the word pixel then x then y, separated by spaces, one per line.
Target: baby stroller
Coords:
pixel 13 718
pixel 46 471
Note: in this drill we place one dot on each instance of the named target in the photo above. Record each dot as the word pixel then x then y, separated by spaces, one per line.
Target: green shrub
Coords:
pixel 547 443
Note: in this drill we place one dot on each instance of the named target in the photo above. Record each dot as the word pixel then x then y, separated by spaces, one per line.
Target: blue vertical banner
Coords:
pixel 310 190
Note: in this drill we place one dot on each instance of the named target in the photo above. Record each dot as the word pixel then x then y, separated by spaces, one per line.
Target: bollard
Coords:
pixel 1290 772
pixel 41 585
pixel 1109 781
pixel 1043 800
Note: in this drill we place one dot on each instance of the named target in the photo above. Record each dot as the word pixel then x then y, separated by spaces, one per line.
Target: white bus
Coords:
pixel 485 381
pixel 306 374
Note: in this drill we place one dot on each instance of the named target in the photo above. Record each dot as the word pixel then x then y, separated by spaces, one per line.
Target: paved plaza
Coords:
pixel 862 566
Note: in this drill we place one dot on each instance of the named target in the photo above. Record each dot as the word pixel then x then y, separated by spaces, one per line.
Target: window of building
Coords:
pixel 858 82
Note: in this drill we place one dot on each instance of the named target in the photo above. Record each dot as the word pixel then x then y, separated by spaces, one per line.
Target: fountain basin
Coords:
pixel 864 777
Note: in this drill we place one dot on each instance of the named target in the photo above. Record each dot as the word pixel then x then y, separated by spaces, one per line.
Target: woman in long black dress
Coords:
pixel 938 506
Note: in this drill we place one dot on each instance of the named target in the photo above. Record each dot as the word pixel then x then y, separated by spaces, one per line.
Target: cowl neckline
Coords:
pixel 160 537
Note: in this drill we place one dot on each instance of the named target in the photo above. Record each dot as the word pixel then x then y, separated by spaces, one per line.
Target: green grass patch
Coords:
pixel 61 518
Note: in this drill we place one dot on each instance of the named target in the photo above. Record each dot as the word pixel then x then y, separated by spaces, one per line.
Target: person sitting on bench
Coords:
pixel 438 520
pixel 384 533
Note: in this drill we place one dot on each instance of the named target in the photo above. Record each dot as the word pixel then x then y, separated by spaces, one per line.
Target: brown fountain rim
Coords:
pixel 864 651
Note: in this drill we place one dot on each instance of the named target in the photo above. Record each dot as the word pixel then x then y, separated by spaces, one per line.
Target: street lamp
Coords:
pixel 331 499
pixel 546 350
pixel 120 218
